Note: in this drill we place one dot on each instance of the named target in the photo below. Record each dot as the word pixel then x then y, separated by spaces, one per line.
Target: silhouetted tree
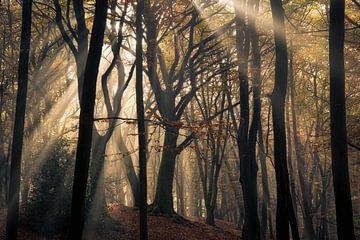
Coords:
pixel 339 154
pixel 247 134
pixel 12 220
pixel 141 121
pixel 284 209
pixel 86 121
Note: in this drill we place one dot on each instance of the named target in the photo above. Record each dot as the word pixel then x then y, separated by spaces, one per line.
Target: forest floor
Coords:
pixel 160 228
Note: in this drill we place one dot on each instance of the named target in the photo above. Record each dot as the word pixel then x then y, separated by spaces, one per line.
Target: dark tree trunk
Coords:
pixel 141 121
pixel 86 121
pixel 256 65
pixel 344 214
pixel 163 198
pixel 83 42
pixel 12 220
pixel 265 187
pixel 284 204
pixel 210 218
pixel 163 201
pixel 248 166
pixel 97 201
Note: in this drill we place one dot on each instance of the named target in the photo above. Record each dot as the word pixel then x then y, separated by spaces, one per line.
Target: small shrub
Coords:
pixel 47 210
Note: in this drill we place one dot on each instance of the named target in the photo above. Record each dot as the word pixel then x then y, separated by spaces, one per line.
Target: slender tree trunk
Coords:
pixel 3 168
pixel 141 121
pixel 322 227
pixel 180 188
pixel 86 121
pixel 284 204
pixel 265 187
pixel 129 169
pixel 256 114
pixel 83 42
pixel 12 220
pixel 248 167
pixel 289 157
pixel 344 214
pixel 309 232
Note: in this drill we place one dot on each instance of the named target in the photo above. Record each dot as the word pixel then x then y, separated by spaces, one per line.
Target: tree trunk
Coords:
pixel 163 199
pixel 265 187
pixel 289 156
pixel 141 122
pixel 339 155
pixel 129 169
pixel 96 202
pixel 284 204
pixel 12 220
pixel 83 42
pixel 248 167
pixel 86 121
pixel 210 218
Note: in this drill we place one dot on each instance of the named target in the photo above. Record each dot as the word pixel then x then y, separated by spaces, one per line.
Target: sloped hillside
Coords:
pixel 160 228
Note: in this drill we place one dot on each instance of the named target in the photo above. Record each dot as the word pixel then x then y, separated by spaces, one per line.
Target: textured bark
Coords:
pixel 86 121
pixel 339 154
pixel 12 220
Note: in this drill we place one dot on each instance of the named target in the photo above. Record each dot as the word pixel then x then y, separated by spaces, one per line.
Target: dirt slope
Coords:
pixel 160 228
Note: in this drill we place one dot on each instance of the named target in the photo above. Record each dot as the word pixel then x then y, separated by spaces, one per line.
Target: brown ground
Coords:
pixel 160 228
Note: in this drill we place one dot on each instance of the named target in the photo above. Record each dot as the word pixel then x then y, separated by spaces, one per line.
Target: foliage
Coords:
pixel 48 207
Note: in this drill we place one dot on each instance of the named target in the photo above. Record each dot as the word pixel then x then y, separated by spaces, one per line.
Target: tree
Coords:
pixel 309 232
pixel 141 121
pixel 12 220
pixel 211 143
pixel 86 121
pixel 246 35
pixel 339 154
pixel 284 204
pixel 176 84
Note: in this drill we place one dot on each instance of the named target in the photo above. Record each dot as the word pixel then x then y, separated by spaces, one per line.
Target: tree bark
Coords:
pixel 163 198
pixel 339 154
pixel 284 204
pixel 86 121
pixel 12 220
pixel 248 166
pixel 141 121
